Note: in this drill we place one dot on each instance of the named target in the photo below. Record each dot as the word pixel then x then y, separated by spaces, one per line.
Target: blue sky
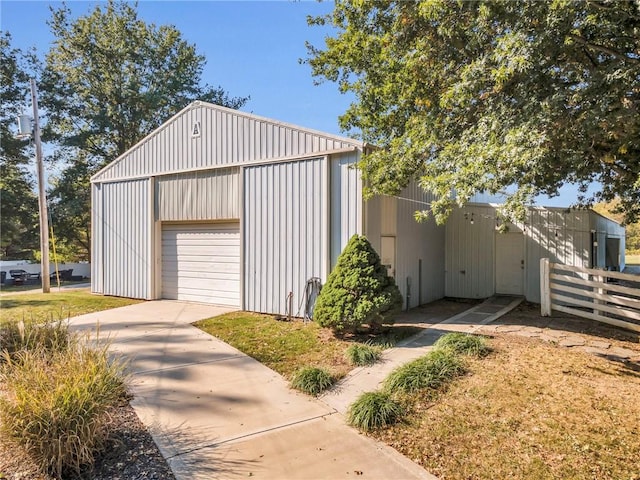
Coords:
pixel 252 49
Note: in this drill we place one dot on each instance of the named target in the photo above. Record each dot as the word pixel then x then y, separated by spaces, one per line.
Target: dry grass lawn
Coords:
pixel 530 410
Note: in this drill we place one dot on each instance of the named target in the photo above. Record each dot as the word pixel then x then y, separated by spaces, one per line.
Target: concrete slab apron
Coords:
pixel 216 413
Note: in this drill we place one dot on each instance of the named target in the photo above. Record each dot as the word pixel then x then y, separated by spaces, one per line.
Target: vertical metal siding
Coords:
pixel 227 137
pixel 346 202
pixel 560 235
pixel 373 221
pixel 96 238
pixel 125 239
pixel 418 241
pixel 563 236
pixel 284 232
pixel 202 195
pixel 469 262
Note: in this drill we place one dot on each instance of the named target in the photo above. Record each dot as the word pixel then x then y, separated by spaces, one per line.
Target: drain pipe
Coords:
pixel 419 281
pixel 408 292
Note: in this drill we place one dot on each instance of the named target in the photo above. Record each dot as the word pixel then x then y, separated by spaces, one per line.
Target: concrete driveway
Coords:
pixel 217 413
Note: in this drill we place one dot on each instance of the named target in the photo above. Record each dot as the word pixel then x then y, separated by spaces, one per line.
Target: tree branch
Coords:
pixel 602 48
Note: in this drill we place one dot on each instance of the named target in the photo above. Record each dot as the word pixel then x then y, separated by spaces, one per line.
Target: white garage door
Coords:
pixel 201 263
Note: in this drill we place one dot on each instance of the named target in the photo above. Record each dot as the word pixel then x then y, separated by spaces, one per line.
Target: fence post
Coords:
pixel 599 279
pixel 545 287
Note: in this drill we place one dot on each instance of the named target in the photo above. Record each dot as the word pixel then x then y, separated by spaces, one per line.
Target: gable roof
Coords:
pixel 204 135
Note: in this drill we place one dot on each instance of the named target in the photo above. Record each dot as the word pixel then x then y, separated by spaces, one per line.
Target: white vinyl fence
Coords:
pixel 604 296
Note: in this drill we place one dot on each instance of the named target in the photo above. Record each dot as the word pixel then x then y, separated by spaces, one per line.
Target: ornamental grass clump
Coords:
pixel 362 355
pixel 29 334
pixel 56 405
pixel 428 372
pixel 312 380
pixel 358 291
pixel 374 410
pixel 464 344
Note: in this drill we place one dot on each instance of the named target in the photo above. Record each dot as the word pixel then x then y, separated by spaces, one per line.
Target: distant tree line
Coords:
pixel 108 80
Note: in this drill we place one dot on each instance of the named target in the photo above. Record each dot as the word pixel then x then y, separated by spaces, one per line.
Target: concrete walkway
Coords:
pixel 368 379
pixel 216 413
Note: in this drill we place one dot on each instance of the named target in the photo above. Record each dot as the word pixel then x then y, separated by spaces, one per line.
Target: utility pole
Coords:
pixel 42 200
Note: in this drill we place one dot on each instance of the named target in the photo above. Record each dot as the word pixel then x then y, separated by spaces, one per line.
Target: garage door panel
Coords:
pixel 213 299
pixel 204 276
pixel 194 268
pixel 199 240
pixel 217 254
pixel 201 263
pixel 219 285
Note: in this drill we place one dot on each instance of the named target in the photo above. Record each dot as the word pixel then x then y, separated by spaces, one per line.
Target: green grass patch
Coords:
pixel 362 355
pixel 282 346
pixel 312 380
pixel 4 288
pixel 374 410
pixel 286 346
pixel 428 372
pixel 464 344
pixel 56 305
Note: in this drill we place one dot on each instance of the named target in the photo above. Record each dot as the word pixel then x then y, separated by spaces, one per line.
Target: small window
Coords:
pixel 195 130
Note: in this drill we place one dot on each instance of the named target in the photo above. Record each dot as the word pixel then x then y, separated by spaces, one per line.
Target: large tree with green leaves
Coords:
pixel 110 79
pixel 491 95
pixel 18 202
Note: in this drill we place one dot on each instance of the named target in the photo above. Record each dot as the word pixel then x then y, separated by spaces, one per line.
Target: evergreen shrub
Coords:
pixel 358 291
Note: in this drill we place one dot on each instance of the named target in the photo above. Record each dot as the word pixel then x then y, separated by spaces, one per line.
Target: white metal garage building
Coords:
pixel 224 207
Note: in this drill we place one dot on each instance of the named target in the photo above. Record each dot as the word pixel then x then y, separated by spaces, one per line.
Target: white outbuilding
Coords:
pixel 225 207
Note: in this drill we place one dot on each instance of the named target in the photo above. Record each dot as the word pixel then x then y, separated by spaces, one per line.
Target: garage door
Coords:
pixel 201 263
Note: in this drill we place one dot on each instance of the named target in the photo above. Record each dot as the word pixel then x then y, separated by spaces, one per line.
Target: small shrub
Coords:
pixel 430 371
pixel 374 410
pixel 17 335
pixel 312 380
pixel 358 291
pixel 464 344
pixel 57 404
pixel 360 355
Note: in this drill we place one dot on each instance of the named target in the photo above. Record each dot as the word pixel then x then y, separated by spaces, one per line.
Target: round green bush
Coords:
pixel 361 355
pixel 428 372
pixel 312 380
pixel 374 410
pixel 464 344
pixel 358 291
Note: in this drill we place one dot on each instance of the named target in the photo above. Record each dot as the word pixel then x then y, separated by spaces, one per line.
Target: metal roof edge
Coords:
pixel 164 125
pixel 213 106
pixel 199 103
pixel 591 210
